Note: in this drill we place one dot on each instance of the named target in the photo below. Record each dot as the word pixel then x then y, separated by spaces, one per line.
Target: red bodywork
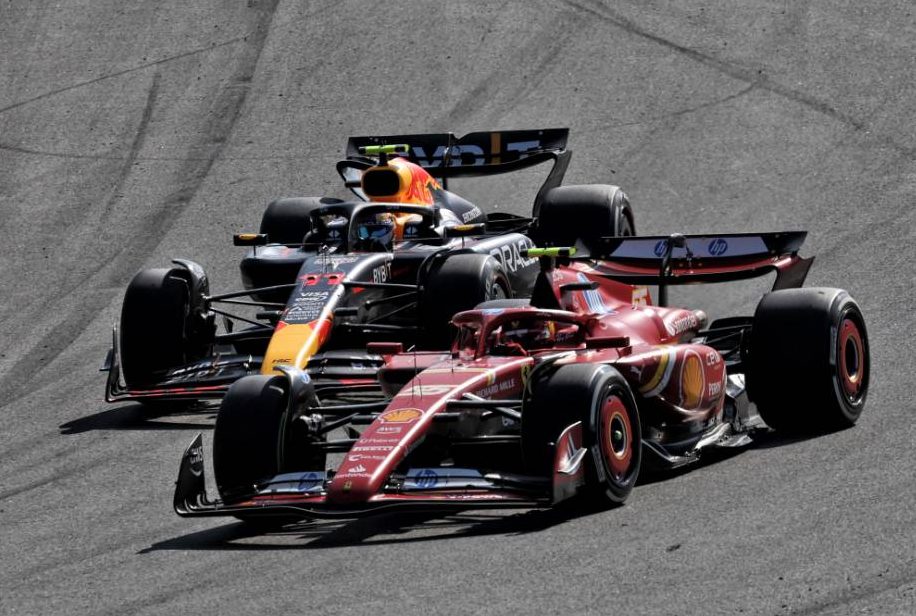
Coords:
pixel 680 387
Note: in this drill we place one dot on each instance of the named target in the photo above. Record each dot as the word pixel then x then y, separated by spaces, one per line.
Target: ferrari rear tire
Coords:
pixel 587 213
pixel 288 220
pixel 598 396
pixel 156 326
pixel 458 283
pixel 808 360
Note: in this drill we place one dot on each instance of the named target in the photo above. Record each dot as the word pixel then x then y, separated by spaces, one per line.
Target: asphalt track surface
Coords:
pixel 133 132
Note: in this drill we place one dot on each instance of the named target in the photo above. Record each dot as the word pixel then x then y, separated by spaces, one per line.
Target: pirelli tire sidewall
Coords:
pixel 249 434
pixel 598 396
pixel 156 327
pixel 808 360
pixel 584 213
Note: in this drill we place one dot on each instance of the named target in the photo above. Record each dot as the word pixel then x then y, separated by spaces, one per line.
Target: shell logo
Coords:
pixel 692 381
pixel 401 415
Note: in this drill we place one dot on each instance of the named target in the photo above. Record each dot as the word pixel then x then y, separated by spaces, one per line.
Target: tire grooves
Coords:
pixel 133 250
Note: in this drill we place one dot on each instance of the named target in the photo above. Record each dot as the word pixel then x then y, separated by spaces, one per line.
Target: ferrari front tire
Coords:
pixel 248 436
pixel 599 397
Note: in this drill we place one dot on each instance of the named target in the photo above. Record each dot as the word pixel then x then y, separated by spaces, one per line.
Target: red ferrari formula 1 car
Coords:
pixel 567 395
pixel 325 276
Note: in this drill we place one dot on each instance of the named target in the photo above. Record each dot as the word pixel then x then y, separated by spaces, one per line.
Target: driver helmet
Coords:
pixel 518 337
pixel 378 230
pixel 529 333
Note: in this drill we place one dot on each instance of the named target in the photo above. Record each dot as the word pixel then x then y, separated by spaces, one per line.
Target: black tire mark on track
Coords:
pixel 65 332
pixel 883 583
pixel 143 159
pixel 70 471
pixel 506 82
pixel 679 112
pixel 135 146
pixel 126 71
pixel 132 252
pixel 736 72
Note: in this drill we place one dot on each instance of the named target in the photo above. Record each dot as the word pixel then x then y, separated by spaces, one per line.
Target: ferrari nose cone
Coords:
pixel 365 468
pixel 349 489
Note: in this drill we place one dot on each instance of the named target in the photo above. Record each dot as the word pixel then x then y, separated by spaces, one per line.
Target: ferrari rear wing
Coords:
pixel 690 259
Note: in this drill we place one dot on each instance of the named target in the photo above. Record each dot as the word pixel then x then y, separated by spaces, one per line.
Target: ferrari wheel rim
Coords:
pixel 852 366
pixel 616 437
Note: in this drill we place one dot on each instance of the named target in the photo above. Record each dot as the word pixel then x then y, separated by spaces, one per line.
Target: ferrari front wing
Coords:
pixel 303 494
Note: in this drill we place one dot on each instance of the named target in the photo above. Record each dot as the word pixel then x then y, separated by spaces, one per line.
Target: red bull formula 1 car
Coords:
pixel 325 276
pixel 568 394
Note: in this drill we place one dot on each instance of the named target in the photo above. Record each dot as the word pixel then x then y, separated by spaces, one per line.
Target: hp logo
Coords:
pixel 660 247
pixel 718 247
pixel 427 478
pixel 308 481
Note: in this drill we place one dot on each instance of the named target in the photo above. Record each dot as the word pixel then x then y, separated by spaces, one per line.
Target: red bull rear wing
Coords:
pixel 480 153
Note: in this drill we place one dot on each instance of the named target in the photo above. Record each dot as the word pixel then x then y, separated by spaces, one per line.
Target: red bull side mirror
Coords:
pixel 465 230
pixel 249 239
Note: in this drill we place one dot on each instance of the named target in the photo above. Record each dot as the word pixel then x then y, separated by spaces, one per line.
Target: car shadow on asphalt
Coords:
pixel 772 440
pixel 382 529
pixel 143 417
pixel 713 456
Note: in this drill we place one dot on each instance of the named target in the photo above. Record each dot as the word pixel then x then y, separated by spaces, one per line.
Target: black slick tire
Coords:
pixel 154 325
pixel 249 434
pixel 585 212
pixel 599 397
pixel 460 282
pixel 808 360
pixel 254 439
pixel 288 220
